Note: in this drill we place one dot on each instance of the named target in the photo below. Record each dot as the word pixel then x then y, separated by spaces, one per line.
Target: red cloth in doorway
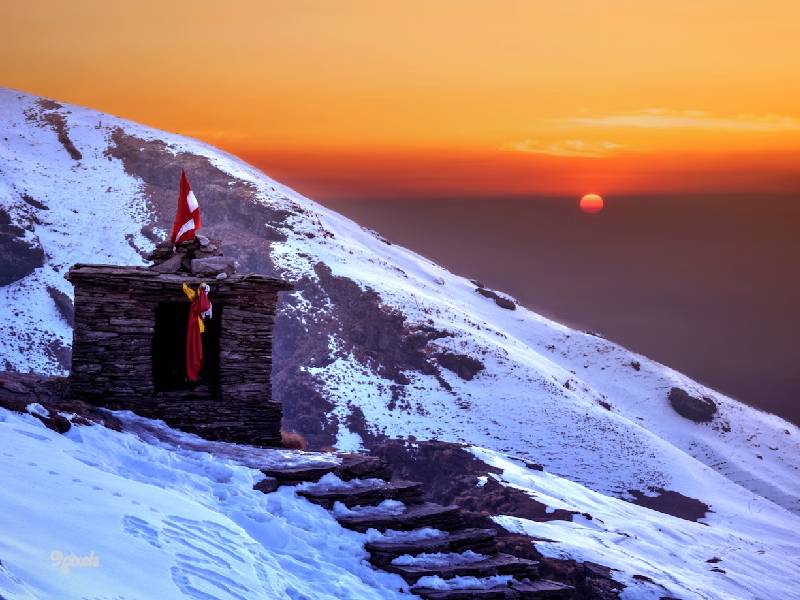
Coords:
pixel 195 327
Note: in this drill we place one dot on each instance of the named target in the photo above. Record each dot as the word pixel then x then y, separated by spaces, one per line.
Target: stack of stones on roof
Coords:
pixel 114 350
pixel 200 256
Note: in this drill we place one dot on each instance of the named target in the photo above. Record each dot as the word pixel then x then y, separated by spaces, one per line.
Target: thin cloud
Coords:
pixel 659 118
pixel 564 148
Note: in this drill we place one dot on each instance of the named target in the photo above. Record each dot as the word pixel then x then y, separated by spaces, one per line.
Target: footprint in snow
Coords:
pixel 141 529
pixel 190 577
pixel 30 434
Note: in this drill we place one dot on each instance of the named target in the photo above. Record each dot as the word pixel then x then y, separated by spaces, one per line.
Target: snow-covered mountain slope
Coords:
pixel 99 514
pixel 376 341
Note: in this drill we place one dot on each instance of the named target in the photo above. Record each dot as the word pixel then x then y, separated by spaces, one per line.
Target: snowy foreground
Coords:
pixel 594 414
pixel 156 521
pixel 84 514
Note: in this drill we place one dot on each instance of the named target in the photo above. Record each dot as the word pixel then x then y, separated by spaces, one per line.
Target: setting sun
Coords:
pixel 591 203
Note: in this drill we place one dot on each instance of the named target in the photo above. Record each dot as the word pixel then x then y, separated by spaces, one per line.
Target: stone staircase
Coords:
pixel 473 551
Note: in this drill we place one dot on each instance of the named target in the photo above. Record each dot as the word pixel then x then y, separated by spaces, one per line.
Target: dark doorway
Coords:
pixel 169 349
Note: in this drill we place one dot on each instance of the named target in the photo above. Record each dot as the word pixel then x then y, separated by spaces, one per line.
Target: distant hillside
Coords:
pixel 379 343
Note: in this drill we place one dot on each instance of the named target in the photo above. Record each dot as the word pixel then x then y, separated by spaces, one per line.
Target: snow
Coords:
pixel 392 535
pixel 759 548
pixel 538 398
pixel 331 482
pixel 37 409
pixel 472 583
pixel 101 514
pixel 438 559
pixel 157 432
pixel 387 507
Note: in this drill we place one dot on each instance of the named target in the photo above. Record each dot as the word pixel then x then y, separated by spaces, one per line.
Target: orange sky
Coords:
pixel 440 98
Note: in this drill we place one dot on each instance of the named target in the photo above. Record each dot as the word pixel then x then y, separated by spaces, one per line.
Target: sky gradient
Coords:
pixel 427 99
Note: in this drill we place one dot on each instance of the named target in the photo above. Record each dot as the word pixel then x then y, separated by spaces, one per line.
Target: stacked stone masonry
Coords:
pixel 112 363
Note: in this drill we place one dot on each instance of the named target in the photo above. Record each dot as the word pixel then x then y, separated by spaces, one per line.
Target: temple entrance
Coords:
pixel 169 349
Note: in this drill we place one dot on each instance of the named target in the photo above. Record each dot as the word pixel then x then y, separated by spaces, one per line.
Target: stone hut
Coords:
pixel 129 343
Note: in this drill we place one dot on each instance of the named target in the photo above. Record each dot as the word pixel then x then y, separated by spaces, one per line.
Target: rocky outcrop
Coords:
pixel 671 503
pixel 63 304
pixel 324 305
pixel 19 257
pixel 501 301
pixel 450 474
pixel 52 116
pixel 699 410
pixel 21 392
pixel 464 366
pixel 465 551
pixel 213 266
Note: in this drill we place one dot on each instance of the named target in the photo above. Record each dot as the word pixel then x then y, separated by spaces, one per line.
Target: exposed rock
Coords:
pixel 696 409
pixel 267 485
pixel 63 303
pixel 56 422
pixel 18 390
pixel 52 116
pixel 408 492
pixel 171 265
pixel 360 466
pixel 148 232
pixel 450 473
pixel 381 339
pixel 501 301
pixel 18 256
pixel 499 564
pixel 416 516
pixel 232 209
pixel 295 475
pixel 33 202
pixel 213 266
pixel 464 366
pixel 671 503
pixel 481 541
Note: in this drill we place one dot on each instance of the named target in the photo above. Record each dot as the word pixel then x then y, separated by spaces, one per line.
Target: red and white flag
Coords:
pixel 187 218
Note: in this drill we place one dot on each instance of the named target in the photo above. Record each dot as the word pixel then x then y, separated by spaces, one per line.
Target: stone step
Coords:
pixel 362 466
pixel 408 492
pixel 481 541
pixel 533 590
pixel 544 588
pixel 267 485
pixel 295 475
pixel 446 518
pixel 499 564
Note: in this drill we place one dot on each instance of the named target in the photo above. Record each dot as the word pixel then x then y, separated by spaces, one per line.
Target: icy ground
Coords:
pixel 162 523
pixel 753 554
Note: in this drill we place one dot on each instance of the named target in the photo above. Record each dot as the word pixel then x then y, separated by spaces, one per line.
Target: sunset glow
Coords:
pixel 419 99
pixel 591 203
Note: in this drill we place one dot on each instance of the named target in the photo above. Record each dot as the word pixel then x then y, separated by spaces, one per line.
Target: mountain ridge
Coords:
pixel 377 342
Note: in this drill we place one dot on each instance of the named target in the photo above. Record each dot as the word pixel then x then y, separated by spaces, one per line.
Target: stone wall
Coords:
pixel 112 341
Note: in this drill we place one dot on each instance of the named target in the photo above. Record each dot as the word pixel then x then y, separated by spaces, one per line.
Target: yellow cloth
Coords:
pixel 191 295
